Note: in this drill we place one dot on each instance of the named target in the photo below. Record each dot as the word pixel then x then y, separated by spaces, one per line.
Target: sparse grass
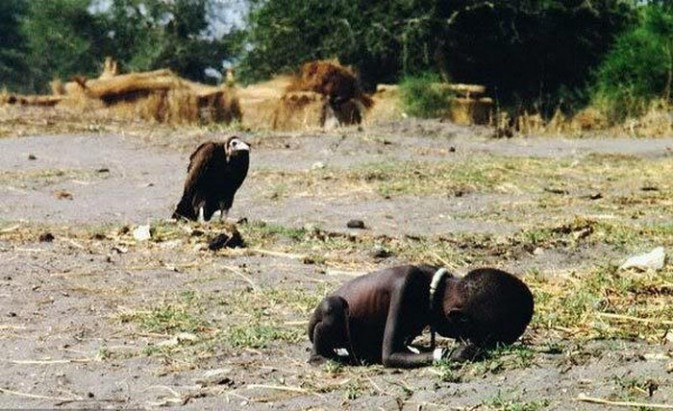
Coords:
pixel 593 302
pixel 634 389
pixel 262 232
pixel 499 403
pixel 496 361
pixel 599 184
pixel 605 303
pixel 353 391
pixel 44 177
pixel 590 300
pixel 257 319
pixel 202 324
pixel 257 334
pixel 184 315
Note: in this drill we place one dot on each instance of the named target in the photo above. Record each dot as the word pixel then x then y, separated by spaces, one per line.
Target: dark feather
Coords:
pixel 215 172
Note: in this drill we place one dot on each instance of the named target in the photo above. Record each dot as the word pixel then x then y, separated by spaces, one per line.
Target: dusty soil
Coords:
pixel 70 307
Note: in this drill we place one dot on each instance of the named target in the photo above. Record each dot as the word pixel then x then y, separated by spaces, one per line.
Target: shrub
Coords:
pixel 424 96
pixel 639 67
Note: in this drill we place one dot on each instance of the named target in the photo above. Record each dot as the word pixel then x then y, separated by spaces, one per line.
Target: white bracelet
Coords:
pixel 437 355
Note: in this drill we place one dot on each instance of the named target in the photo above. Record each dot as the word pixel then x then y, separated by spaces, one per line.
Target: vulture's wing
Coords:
pixel 197 152
pixel 200 161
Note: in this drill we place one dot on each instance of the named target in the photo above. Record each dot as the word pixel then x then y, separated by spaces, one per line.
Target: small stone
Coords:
pixel 355 224
pixel 196 232
pixel 46 237
pixel 380 252
pixel 226 240
pixel 63 195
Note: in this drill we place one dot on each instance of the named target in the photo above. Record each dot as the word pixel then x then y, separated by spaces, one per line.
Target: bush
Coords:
pixel 639 68
pixel 423 96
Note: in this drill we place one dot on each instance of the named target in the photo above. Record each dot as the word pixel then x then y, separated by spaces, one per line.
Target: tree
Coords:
pixel 531 53
pixel 63 40
pixel 72 37
pixel 639 67
pixel 282 35
pixel 148 35
pixel 13 49
pixel 534 54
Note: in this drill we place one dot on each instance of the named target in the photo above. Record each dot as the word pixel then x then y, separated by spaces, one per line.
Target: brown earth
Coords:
pixel 75 310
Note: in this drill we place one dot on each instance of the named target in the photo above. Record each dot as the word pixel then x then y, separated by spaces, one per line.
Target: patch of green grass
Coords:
pixel 515 355
pixel 605 303
pixel 252 319
pixel 259 334
pixel 631 237
pixel 353 390
pixel 462 249
pixel 497 360
pixel 184 314
pixel 257 319
pixel 500 403
pixel 262 231
pixel 450 372
pixel 168 319
pixel 390 179
pixel 334 368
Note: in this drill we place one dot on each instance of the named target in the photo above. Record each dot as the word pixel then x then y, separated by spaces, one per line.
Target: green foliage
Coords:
pixel 533 54
pixel 424 96
pixel 639 67
pixel 63 40
pixel 47 39
pixel 527 53
pixel 285 34
pixel 12 51
pixel 150 35
pixel 382 39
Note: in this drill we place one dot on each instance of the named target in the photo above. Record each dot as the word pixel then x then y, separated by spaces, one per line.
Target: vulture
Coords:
pixel 216 170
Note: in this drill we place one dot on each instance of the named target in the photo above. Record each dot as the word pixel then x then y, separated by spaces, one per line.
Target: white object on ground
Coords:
pixel 142 232
pixel 653 260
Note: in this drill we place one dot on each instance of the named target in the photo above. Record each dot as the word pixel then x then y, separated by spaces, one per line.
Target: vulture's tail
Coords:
pixel 184 210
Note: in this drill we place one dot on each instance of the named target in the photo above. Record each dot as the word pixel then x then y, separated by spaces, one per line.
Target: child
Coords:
pixel 375 317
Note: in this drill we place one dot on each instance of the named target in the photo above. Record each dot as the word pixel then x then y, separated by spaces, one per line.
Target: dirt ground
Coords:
pixel 76 311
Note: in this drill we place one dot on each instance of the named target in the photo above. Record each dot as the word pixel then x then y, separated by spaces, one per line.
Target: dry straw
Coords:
pixel 158 95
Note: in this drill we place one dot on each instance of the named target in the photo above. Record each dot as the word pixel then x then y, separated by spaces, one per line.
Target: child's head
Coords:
pixel 486 307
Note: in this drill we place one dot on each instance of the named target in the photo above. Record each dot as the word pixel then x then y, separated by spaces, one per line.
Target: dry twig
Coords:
pixel 629 404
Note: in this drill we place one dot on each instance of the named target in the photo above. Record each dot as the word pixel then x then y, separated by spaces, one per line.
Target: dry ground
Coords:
pixel 92 318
